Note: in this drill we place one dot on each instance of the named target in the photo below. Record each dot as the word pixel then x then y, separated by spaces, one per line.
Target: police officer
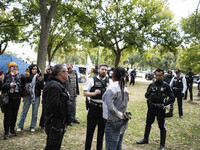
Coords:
pixel 95 88
pixel 133 74
pixel 189 79
pixel 56 107
pixel 168 79
pixel 178 85
pixel 157 94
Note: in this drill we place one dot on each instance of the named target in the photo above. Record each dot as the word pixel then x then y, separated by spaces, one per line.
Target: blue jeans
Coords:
pixel 74 103
pixel 27 103
pixel 112 135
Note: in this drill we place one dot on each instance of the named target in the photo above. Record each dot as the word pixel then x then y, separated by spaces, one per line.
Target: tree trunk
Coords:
pixel 118 56
pixel 42 49
pixel 46 18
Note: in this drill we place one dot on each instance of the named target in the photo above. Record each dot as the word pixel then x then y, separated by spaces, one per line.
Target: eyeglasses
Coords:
pixel 65 71
pixel 14 66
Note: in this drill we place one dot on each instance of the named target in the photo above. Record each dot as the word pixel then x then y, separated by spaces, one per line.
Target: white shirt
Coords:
pixel 183 81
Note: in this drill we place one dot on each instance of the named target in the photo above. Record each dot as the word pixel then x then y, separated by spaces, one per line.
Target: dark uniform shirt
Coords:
pixel 157 93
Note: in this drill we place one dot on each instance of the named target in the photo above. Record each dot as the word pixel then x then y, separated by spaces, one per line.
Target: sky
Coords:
pixel 180 8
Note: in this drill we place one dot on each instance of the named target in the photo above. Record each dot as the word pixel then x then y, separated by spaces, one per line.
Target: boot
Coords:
pixel 5 136
pixel 146 136
pixel 143 141
pixel 12 132
pixel 162 148
pixel 162 139
pixel 169 114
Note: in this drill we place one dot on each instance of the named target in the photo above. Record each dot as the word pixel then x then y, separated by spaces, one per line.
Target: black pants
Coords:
pixel 94 118
pixel 55 131
pixel 132 80
pixel 10 114
pixel 189 87
pixel 160 114
pixel 42 118
pixel 151 114
pixel 178 95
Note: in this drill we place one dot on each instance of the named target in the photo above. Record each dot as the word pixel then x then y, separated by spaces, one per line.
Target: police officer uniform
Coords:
pixel 168 79
pixel 157 94
pixel 189 79
pixel 94 116
pixel 178 85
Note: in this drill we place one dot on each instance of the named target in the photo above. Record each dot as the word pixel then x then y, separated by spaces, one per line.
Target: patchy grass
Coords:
pixel 182 134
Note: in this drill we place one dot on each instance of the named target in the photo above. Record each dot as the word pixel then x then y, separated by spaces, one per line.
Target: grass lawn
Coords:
pixel 182 134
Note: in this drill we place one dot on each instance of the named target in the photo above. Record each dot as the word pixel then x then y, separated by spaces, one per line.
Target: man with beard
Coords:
pixel 95 88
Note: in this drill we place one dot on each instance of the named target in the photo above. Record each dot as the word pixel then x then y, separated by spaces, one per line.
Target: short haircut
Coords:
pixel 58 68
pixel 159 70
pixel 103 65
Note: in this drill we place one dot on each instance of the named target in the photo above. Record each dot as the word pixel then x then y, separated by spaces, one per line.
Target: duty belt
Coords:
pixel 94 104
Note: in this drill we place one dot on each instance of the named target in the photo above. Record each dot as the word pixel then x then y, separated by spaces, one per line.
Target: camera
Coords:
pixel 17 88
pixel 128 115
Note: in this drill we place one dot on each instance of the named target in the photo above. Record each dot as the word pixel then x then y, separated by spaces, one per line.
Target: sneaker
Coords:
pixel 33 130
pixel 181 117
pixel 19 129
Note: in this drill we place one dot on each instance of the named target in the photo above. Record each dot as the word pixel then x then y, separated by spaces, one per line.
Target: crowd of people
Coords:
pixel 106 98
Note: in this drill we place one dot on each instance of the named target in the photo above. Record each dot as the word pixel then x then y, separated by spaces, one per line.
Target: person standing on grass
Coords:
pixel 33 98
pixel 47 77
pixel 95 88
pixel 133 74
pixel 57 108
pixel 156 95
pixel 73 89
pixel 189 80
pixel 115 101
pixel 1 81
pixel 168 79
pixel 12 84
pixel 198 82
pixel 178 85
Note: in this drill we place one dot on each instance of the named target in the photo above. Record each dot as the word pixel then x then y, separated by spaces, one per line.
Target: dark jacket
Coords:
pixel 19 79
pixel 38 87
pixel 168 79
pixel 189 77
pixel 55 99
pixel 158 91
pixel 1 83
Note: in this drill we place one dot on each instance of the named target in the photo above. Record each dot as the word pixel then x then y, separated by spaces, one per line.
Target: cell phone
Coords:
pixel 1 72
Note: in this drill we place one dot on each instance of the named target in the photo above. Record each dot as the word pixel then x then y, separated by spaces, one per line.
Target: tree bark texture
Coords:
pixel 45 23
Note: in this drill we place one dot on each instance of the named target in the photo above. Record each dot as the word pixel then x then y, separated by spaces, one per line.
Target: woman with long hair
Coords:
pixel 115 101
pixel 33 98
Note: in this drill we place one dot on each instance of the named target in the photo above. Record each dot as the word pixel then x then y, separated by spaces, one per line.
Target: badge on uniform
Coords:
pixel 162 89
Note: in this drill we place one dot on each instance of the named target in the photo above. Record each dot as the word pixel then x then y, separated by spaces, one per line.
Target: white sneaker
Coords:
pixel 19 129
pixel 32 130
